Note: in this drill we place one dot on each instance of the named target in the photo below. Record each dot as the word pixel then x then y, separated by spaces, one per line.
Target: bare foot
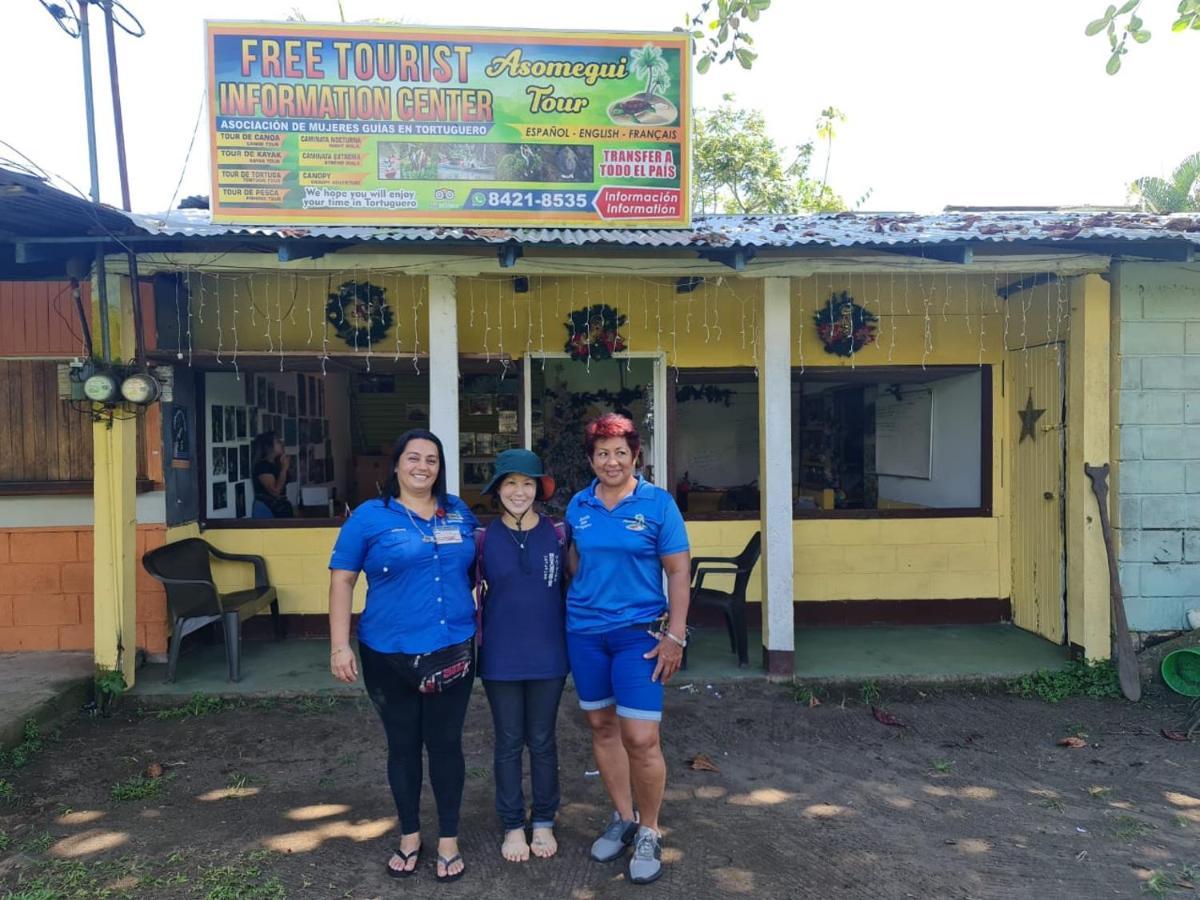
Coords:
pixel 410 844
pixel 544 844
pixel 448 849
pixel 514 848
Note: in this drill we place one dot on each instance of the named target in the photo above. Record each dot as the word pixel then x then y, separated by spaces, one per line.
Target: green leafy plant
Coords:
pixel 1187 19
pixel 1176 194
pixel 942 766
pixel 1097 679
pixel 110 685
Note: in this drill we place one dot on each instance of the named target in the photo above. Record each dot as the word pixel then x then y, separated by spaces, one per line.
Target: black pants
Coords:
pixel 412 720
pixel 524 713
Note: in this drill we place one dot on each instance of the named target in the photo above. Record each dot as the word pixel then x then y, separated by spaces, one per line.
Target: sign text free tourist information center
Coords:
pixel 383 125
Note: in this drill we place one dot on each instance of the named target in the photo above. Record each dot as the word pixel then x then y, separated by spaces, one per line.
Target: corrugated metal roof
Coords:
pixel 825 230
pixel 33 207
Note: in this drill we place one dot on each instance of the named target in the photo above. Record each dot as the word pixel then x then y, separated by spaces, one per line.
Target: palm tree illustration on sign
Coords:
pixel 649 106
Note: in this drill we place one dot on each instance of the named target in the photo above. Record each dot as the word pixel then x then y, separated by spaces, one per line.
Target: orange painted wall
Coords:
pixel 38 318
pixel 46 600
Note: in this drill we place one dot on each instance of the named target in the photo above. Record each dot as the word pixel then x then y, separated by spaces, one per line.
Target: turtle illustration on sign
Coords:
pixel 649 106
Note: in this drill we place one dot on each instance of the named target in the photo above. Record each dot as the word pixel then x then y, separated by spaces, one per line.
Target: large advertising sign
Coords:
pixel 382 125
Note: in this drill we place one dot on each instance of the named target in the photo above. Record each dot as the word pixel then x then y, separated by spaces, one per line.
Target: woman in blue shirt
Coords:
pixel 523 655
pixel 415 637
pixel 624 638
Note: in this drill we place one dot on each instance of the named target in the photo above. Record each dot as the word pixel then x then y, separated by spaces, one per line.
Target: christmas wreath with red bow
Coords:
pixel 359 313
pixel 592 332
pixel 843 326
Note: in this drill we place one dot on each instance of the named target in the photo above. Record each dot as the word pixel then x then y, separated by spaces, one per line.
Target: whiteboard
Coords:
pixel 904 432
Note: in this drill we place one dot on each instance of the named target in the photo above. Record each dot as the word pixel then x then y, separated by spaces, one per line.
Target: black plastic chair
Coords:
pixel 731 603
pixel 193 600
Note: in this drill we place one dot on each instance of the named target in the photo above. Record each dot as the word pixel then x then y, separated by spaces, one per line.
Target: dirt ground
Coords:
pixel 288 799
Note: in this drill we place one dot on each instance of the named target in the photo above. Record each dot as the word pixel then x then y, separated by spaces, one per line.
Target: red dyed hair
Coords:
pixel 611 425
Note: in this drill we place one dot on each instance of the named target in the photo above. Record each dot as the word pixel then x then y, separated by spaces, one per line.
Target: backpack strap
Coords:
pixel 480 584
pixel 563 531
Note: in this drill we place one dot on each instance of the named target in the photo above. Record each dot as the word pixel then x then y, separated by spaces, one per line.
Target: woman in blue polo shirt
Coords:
pixel 624 638
pixel 415 637
pixel 523 656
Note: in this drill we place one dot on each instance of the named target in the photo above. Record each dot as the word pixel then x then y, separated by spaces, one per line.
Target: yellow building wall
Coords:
pixel 297 563
pixel 930 319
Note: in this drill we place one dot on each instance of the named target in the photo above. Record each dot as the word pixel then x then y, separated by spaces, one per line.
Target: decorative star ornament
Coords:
pixel 1029 417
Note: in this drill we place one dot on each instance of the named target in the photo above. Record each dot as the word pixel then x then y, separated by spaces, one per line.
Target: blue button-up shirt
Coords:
pixel 619 581
pixel 418 591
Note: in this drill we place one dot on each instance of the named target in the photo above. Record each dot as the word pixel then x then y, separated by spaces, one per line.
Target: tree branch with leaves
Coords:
pixel 719 34
pixel 1132 26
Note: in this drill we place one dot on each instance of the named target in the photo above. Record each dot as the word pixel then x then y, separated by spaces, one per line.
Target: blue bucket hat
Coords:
pixel 521 462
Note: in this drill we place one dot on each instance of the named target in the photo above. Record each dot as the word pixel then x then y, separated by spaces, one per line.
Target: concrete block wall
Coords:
pixel 46 599
pixel 1158 422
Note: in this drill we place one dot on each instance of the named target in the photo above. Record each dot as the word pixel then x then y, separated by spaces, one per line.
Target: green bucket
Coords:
pixel 1181 671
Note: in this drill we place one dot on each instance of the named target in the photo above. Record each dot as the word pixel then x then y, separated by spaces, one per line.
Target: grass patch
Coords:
pixel 53 879
pixel 32 743
pixel 942 766
pixel 198 705
pixel 240 881
pixel 1128 828
pixel 37 843
pixel 802 693
pixel 870 694
pixel 313 705
pixel 1051 803
pixel 1077 679
pixel 1097 791
pixel 1161 882
pixel 139 787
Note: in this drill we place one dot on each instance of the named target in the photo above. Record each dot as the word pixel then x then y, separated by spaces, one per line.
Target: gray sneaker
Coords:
pixel 616 837
pixel 645 865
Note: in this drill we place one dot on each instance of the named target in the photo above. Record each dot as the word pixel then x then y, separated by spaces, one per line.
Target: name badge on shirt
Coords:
pixel 447 534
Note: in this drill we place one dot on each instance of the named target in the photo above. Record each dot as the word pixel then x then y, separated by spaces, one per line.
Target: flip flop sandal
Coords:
pixel 404 858
pixel 446 864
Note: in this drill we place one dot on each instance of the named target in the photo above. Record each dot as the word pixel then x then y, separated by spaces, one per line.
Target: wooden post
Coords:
pixel 1088 441
pixel 114 497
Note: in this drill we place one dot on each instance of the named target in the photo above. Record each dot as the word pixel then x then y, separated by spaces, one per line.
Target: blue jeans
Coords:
pixel 524 713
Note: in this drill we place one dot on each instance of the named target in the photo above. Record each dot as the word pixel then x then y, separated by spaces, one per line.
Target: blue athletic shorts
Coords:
pixel 608 669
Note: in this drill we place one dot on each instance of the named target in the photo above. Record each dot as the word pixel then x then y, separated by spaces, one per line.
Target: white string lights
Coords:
pixel 237 375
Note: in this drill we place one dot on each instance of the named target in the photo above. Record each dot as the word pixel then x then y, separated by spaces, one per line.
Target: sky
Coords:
pixel 948 102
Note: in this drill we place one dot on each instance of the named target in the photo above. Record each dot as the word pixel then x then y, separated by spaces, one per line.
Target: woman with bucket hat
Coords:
pixel 523 653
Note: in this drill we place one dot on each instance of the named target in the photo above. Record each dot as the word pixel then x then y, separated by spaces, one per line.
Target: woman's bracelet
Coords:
pixel 681 642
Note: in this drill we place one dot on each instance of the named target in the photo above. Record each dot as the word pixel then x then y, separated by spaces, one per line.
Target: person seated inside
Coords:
pixel 270 476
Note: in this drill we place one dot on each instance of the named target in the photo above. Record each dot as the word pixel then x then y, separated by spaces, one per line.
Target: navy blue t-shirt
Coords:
pixel 524 615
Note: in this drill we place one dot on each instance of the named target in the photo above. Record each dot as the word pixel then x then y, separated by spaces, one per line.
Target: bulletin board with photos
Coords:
pixel 489 424
pixel 292 406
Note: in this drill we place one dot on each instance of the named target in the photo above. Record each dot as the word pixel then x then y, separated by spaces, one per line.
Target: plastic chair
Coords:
pixel 193 600
pixel 731 603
